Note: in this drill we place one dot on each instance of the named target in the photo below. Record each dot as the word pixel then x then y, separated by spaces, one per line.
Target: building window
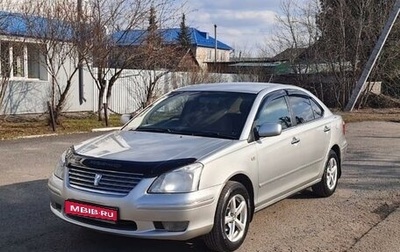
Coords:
pixel 5 59
pixel 36 62
pixel 18 59
pixel 221 55
pixel 209 54
pixel 27 61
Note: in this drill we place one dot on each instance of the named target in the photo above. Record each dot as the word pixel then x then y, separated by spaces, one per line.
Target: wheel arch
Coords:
pixel 336 149
pixel 246 182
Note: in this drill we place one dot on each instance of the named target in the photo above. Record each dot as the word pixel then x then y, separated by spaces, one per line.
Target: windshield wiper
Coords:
pixel 149 129
pixel 213 134
pixel 190 133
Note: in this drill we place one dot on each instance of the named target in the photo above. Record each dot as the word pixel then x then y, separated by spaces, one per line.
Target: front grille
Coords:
pixel 102 181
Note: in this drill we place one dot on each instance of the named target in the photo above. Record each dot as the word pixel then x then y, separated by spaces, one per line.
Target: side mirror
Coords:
pixel 125 118
pixel 269 130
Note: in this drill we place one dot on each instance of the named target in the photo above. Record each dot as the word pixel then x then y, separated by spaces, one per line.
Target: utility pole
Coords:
pixel 80 60
pixel 373 57
pixel 215 50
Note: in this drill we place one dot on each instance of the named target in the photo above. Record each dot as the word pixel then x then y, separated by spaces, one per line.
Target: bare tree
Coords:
pixel 102 18
pixel 327 42
pixel 51 24
pixel 110 47
pixel 349 32
pixel 293 43
pixel 4 61
pixel 158 62
pixel 296 30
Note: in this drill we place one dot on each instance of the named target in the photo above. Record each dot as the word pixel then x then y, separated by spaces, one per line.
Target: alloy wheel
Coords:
pixel 236 218
pixel 331 174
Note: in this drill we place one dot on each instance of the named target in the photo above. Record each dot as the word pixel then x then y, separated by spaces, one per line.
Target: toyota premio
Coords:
pixel 201 161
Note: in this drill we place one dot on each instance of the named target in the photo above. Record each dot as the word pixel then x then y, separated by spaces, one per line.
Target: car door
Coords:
pixel 313 132
pixel 276 155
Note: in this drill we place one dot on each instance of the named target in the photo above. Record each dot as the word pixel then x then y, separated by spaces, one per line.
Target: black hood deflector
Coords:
pixel 148 169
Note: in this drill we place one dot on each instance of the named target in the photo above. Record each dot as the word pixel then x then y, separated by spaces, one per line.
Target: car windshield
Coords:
pixel 209 114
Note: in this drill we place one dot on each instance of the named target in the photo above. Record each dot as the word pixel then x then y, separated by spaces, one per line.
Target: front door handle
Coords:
pixel 327 129
pixel 295 140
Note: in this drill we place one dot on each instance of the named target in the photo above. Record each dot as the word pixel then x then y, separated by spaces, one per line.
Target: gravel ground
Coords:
pixel 368 192
pixel 362 216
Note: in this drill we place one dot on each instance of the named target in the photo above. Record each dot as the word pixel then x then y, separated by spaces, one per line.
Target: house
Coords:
pixel 25 81
pixel 202 46
pixel 20 51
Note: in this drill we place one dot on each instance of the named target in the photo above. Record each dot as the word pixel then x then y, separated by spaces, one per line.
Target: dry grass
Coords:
pixel 15 127
pixel 390 115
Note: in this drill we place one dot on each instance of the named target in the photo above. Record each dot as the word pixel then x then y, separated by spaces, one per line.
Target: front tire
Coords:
pixel 327 186
pixel 231 220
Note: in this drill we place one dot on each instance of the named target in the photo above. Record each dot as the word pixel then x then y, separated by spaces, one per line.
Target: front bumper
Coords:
pixel 145 211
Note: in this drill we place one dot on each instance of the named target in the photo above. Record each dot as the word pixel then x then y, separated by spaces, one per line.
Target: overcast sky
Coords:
pixel 242 24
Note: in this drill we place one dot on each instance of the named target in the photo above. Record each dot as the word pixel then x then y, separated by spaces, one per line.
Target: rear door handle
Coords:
pixel 327 129
pixel 295 140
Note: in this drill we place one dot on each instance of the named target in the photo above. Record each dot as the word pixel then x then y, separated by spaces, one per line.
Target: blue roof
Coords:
pixel 17 24
pixel 198 38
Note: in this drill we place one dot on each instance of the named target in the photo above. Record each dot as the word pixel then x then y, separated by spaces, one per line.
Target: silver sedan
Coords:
pixel 200 162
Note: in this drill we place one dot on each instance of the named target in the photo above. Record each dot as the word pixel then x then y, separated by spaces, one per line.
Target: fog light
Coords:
pixel 175 226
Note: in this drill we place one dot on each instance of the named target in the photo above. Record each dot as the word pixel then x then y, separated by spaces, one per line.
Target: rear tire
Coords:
pixel 232 218
pixel 327 186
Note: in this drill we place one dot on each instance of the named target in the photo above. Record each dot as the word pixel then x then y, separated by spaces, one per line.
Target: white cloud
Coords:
pixel 243 25
pixel 246 25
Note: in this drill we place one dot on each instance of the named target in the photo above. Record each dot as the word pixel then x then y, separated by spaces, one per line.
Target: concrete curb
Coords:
pixel 57 134
pixel 36 136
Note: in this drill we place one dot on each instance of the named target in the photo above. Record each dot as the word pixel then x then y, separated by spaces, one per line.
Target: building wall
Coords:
pixel 128 94
pixel 27 96
pixel 24 96
pixel 89 87
pixel 204 54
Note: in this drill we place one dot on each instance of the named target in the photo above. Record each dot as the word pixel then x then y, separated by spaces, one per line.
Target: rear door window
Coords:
pixel 318 112
pixel 302 109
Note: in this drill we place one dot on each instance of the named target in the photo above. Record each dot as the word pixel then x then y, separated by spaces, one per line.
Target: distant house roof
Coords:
pixel 18 24
pixel 170 36
pixel 289 54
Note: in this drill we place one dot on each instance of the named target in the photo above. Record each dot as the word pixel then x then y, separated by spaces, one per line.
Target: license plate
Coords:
pixel 90 211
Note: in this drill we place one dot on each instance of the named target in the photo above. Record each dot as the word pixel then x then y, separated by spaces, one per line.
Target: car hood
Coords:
pixel 144 152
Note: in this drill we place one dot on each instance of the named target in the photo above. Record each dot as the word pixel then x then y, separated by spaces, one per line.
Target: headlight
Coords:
pixel 62 163
pixel 182 180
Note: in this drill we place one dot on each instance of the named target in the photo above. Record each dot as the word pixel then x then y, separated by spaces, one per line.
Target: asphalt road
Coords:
pixel 360 216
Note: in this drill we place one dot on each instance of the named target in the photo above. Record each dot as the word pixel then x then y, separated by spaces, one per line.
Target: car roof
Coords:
pixel 240 87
